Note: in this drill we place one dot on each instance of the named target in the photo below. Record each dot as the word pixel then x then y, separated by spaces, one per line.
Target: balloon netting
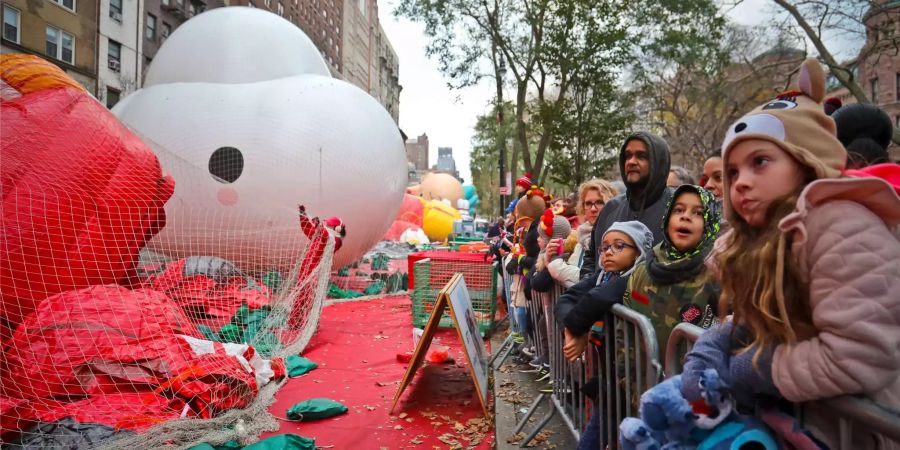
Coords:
pixel 115 334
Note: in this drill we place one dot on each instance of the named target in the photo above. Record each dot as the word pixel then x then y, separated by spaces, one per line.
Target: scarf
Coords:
pixel 666 264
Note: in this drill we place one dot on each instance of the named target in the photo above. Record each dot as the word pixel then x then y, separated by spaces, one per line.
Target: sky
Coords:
pixel 427 105
pixel 448 116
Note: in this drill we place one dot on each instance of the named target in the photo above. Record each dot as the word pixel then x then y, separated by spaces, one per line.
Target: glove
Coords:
pixel 712 351
pixel 747 381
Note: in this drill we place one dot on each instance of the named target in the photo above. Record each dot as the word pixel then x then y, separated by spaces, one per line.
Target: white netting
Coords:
pixel 109 340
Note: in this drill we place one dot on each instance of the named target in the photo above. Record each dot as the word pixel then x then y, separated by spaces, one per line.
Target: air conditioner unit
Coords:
pixel 114 65
pixel 117 16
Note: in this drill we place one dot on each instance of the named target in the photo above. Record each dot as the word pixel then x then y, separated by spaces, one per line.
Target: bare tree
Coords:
pixel 847 19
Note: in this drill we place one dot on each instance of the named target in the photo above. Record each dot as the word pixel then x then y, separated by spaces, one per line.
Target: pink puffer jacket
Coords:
pixel 845 237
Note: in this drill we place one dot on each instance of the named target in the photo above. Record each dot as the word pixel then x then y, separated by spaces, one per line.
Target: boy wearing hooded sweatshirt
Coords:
pixel 673 285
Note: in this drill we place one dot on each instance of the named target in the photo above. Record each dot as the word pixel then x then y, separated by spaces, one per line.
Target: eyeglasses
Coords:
pixel 616 247
pixel 591 205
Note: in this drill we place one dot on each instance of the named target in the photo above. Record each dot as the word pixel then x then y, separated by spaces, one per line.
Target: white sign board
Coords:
pixel 467 327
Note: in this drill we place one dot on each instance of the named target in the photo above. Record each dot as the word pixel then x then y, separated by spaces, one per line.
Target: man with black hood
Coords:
pixel 644 164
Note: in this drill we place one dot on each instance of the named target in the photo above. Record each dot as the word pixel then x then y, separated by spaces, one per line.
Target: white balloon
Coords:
pixel 305 139
pixel 235 44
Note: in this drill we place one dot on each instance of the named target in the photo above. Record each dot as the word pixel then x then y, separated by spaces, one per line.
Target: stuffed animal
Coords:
pixel 669 422
pixel 635 435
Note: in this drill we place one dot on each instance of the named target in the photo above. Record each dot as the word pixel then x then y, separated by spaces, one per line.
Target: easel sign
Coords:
pixel 454 295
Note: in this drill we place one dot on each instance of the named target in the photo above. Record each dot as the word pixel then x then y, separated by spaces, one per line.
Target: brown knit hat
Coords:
pixel 796 122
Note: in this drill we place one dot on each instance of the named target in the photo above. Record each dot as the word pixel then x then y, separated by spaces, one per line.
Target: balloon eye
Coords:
pixel 226 164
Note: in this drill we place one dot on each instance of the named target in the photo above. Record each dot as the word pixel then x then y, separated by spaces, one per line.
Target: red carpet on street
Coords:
pixel 356 347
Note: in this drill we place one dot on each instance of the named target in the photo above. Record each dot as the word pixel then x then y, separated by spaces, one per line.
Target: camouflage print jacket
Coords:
pixel 694 300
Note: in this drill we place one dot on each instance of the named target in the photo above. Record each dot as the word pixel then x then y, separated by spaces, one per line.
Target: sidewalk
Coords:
pixel 514 392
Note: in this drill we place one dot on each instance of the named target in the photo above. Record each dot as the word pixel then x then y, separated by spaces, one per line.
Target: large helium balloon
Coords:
pixel 241 110
pixel 80 193
pixel 441 186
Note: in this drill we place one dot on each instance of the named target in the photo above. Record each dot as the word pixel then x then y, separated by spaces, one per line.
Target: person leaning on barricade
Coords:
pixel 809 269
pixel 673 285
pixel 623 247
pixel 551 229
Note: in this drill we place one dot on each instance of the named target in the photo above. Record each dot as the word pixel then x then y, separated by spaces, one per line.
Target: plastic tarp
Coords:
pixel 126 359
pixel 64 433
pixel 75 182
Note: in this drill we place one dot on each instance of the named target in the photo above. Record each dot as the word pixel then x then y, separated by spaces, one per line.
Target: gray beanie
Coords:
pixel 639 233
pixel 559 228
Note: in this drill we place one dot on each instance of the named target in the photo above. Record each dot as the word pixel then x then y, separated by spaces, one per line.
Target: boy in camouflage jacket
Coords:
pixel 673 285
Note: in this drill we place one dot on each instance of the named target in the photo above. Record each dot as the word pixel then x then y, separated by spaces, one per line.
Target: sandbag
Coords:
pixel 298 365
pixel 315 409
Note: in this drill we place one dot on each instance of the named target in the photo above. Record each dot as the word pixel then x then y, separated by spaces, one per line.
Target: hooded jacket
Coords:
pixel 674 286
pixel 646 205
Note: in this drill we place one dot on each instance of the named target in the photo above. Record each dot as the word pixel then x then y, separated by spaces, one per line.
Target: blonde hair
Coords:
pixel 603 187
pixel 762 287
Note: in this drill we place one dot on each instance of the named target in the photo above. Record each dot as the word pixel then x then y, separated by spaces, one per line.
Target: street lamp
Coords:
pixel 501 139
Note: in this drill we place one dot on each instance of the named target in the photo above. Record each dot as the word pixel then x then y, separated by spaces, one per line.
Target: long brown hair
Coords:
pixel 762 287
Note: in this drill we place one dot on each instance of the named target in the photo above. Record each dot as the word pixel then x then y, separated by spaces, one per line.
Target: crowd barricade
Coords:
pixel 625 365
pixel 859 421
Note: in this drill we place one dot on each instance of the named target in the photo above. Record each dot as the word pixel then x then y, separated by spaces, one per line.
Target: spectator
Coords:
pixel 712 176
pixel 673 285
pixel 644 165
pixel 677 176
pixel 809 269
pixel 865 131
pixel 592 196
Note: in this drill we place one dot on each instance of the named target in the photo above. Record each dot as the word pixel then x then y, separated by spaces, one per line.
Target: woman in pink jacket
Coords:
pixel 811 268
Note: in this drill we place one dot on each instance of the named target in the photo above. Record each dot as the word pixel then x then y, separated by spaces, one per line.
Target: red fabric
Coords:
pixel 356 347
pixel 81 196
pixel 94 345
pixel 889 172
pixel 202 298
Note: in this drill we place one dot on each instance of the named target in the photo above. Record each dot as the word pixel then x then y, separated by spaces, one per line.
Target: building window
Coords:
pixel 180 3
pixel 362 7
pixel 68 4
pixel 112 97
pixel 60 45
pixel 151 27
pixel 268 4
pixel 897 86
pixel 166 30
pixel 280 9
pixel 12 23
pixel 114 56
pixel 115 10
pixel 874 97
pixel 165 2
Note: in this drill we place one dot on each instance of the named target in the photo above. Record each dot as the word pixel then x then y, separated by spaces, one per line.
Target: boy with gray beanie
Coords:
pixel 623 247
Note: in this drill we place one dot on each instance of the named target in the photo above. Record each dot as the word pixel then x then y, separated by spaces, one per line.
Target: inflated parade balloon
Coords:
pixel 240 109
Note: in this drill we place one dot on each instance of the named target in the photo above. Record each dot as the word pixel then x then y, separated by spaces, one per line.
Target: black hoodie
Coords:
pixel 645 204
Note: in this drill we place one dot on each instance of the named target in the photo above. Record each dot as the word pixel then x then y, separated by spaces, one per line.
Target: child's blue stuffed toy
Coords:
pixel 669 422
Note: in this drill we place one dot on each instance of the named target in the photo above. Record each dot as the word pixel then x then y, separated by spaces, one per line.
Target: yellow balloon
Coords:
pixel 437 220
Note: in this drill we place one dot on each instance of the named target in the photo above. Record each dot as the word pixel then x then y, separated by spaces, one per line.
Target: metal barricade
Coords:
pixel 629 366
pixel 859 421
pixel 626 365
pixel 681 340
